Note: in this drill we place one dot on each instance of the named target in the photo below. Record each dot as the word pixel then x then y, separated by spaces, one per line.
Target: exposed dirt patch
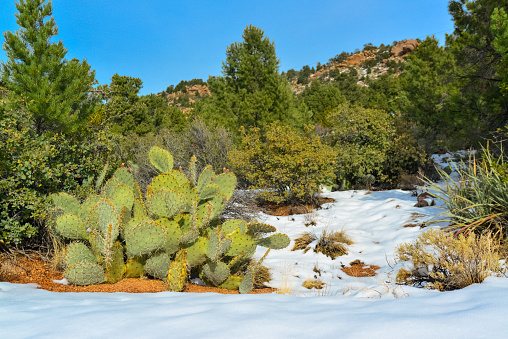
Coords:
pixel 361 270
pixel 24 270
pixel 285 210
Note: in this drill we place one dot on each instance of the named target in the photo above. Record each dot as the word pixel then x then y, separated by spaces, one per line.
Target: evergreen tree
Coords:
pixel 321 98
pixel 251 92
pixel 162 115
pixel 478 63
pixel 55 91
pixel 124 111
pixel 427 85
pixel 499 28
pixel 127 112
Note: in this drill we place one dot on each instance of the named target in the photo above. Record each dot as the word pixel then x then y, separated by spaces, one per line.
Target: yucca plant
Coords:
pixel 477 199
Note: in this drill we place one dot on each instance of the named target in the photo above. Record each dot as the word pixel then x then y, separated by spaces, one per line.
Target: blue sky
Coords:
pixel 165 41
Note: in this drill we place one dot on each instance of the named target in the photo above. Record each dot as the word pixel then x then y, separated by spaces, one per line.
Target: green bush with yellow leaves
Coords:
pixel 287 166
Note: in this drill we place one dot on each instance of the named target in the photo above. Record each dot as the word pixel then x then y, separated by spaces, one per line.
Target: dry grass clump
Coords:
pixel 58 257
pixel 262 275
pixel 445 262
pixel 313 283
pixel 303 241
pixel 310 219
pixel 286 277
pixel 333 244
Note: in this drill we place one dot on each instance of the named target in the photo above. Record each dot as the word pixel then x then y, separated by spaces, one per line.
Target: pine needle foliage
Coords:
pixel 55 91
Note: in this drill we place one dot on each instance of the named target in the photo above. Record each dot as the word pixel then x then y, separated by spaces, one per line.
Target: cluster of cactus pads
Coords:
pixel 170 233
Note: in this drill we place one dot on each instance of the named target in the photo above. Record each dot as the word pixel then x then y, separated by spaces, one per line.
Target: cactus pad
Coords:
pixel 236 263
pixel 196 253
pixel 134 267
pixel 122 196
pixel 115 268
pixel 189 194
pixel 108 187
pixel 78 252
pixel 226 183
pixel 180 178
pixel 215 272
pixel 139 209
pixel 161 159
pixel 173 232
pixel 177 274
pixel 232 225
pixel 205 178
pixel 85 273
pixel 143 236
pixel 165 181
pixel 209 192
pixel 71 226
pixel 232 283
pixel 242 243
pixel 247 283
pixel 257 227
pixel 217 245
pixel 157 266
pixel 66 202
pixel 277 241
pixel 189 237
pixel 164 203
pixel 124 176
pixel 87 205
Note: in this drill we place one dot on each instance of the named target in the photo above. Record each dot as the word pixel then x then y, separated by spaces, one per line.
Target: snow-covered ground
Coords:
pixel 347 307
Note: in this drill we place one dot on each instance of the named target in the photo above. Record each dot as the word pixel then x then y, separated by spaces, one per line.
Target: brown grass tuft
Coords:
pixel 303 241
pixel 313 283
pixel 333 244
pixel 262 275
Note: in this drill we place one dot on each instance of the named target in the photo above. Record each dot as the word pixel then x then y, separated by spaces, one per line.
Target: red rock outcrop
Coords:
pixel 404 47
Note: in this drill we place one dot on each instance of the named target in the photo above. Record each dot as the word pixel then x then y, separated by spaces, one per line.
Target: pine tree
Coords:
pixel 251 92
pixel 478 61
pixel 55 91
pixel 499 28
pixel 427 84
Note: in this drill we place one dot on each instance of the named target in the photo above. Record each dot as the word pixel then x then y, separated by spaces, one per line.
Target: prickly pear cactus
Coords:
pixel 165 233
pixel 85 273
pixel 96 223
pixel 177 274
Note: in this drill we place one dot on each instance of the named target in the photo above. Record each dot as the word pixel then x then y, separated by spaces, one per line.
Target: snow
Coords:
pixel 347 307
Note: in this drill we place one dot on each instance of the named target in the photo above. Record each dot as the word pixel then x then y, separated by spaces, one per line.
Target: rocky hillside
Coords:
pixel 369 63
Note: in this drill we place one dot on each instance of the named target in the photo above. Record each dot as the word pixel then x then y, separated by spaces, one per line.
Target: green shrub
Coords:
pixel 32 166
pixel 288 166
pixel 210 146
pixel 372 145
pixel 361 138
pixel 445 262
